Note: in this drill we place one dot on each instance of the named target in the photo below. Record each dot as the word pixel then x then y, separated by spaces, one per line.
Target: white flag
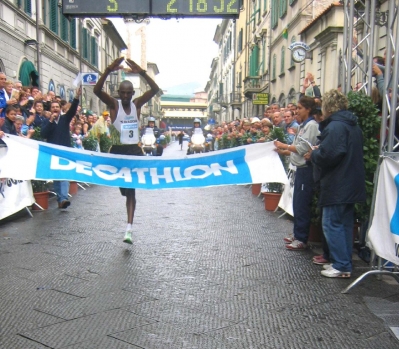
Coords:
pixel 384 230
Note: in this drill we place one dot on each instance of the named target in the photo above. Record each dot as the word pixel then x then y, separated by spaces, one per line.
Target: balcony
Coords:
pixel 224 100
pixel 252 84
pixel 236 99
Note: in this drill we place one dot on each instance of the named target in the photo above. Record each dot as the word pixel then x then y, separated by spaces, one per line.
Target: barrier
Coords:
pixel 15 195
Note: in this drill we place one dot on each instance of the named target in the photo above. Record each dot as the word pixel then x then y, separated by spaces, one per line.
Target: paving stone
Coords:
pixel 85 328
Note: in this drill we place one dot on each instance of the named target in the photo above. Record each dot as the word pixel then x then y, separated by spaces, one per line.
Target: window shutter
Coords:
pixel 282 60
pixel 94 51
pixel 274 17
pixel 85 44
pixel 53 16
pixel 27 7
pixel 274 67
pixel 64 28
pixel 72 34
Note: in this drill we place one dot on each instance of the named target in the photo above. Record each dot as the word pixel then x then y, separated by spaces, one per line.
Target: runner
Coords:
pixel 125 116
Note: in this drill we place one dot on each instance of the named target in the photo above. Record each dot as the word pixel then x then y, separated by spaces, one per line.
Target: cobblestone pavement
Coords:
pixel 207 270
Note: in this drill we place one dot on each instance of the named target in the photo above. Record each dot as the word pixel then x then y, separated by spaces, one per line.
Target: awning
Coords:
pixel 28 74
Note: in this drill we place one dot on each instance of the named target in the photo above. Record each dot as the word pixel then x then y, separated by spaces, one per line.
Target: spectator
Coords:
pixel 278 120
pixel 39 113
pixel 29 123
pixel 342 180
pixel 18 85
pixel 19 122
pixel 291 127
pixel 56 131
pixel 77 136
pixel 8 88
pixel 309 87
pixel 3 100
pixel 8 126
pixel 304 183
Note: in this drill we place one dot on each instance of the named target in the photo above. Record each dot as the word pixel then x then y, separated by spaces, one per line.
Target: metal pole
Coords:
pixel 38 45
pixel 344 71
pixel 371 48
pixel 350 45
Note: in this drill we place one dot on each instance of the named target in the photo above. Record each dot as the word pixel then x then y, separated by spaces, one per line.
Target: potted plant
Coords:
pixel 40 193
pixel 272 195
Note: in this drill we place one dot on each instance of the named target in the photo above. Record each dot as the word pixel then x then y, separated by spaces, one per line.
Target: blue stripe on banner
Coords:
pixel 222 168
pixel 395 218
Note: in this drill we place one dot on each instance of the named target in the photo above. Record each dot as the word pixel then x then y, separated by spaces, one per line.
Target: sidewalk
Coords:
pixel 207 270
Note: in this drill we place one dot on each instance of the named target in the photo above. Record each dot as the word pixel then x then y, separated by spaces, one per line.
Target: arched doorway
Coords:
pixel 28 74
pixel 281 100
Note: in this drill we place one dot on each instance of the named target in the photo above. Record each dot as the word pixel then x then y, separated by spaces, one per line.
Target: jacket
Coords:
pixel 58 133
pixel 340 159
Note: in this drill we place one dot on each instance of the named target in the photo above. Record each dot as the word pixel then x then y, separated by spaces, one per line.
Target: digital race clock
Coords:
pixel 152 8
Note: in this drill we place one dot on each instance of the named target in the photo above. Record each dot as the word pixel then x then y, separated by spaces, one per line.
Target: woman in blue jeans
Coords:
pixel 342 180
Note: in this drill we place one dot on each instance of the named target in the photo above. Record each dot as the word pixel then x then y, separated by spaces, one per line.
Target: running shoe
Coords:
pixel 296 245
pixel 334 273
pixel 128 237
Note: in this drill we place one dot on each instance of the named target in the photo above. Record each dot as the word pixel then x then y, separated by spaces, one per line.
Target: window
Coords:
pixel 94 51
pixel 274 17
pixel 254 62
pixel 282 60
pixel 72 33
pixel 282 8
pixel 53 15
pixel 292 63
pixel 25 5
pixel 274 61
pixel 239 44
pixel 85 43
pixel 264 54
pixel 64 27
pixel 265 6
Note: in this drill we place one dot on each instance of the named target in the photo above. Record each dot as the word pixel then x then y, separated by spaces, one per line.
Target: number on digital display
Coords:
pixel 229 9
pixel 221 8
pixel 113 7
pixel 169 8
pixel 202 6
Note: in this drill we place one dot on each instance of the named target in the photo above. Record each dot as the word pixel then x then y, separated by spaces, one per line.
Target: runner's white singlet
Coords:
pixel 127 125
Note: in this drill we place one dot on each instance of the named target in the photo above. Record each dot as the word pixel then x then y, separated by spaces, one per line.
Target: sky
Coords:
pixel 182 49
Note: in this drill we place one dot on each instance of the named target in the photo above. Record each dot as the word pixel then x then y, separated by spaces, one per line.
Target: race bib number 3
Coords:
pixel 129 134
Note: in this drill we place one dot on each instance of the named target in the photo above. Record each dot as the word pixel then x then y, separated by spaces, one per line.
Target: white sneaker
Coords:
pixel 128 237
pixel 334 273
pixel 327 266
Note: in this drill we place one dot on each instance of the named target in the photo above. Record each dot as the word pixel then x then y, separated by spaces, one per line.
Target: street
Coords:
pixel 207 270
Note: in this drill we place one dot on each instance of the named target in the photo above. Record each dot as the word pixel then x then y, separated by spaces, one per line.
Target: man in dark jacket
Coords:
pixel 56 131
pixel 342 180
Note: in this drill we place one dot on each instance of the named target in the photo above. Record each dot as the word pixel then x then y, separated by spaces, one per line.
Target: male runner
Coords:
pixel 125 116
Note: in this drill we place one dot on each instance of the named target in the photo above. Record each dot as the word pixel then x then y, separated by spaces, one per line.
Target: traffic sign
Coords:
pixel 89 78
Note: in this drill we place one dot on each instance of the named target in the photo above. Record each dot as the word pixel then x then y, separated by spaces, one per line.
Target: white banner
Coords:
pixel 257 163
pixel 384 230
pixel 14 196
pixel 286 199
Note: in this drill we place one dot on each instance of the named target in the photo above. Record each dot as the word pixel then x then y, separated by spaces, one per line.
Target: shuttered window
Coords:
pixel 64 28
pixel 72 33
pixel 85 43
pixel 28 7
pixel 274 17
pixel 239 46
pixel 274 61
pixel 53 14
pixel 282 8
pixel 282 60
pixel 254 62
pixel 94 51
